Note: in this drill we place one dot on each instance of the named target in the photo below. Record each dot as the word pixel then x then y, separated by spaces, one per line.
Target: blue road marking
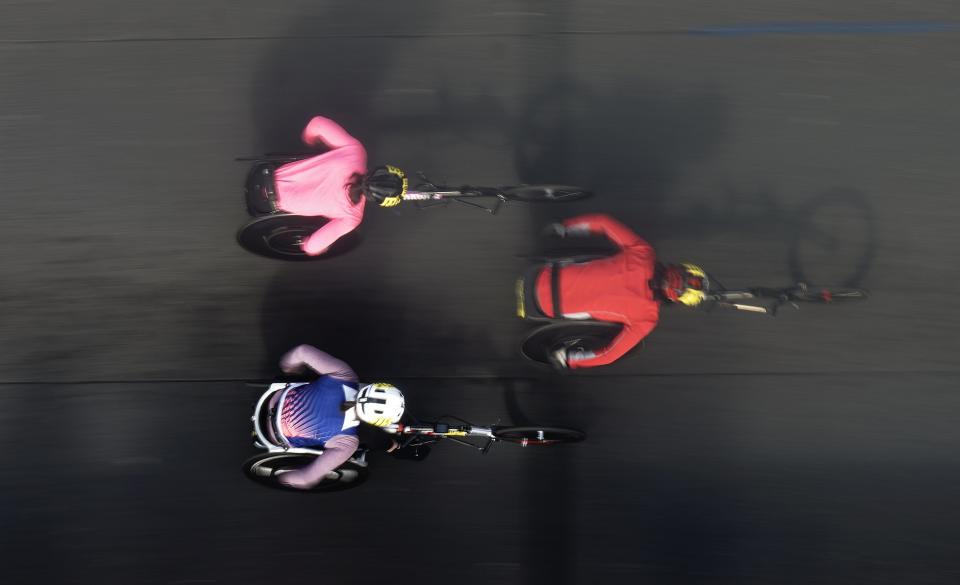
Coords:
pixel 831 28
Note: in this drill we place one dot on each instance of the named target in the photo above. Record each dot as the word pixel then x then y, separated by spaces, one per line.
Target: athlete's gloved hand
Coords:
pixel 555 230
pixel 558 358
pixel 291 366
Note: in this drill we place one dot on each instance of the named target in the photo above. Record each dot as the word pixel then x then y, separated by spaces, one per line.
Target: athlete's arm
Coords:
pixel 604 225
pixel 331 231
pixel 336 452
pixel 322 131
pixel 629 336
pixel 319 361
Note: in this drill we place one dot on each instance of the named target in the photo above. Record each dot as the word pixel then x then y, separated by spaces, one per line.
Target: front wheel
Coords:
pixel 266 469
pixel 826 294
pixel 546 193
pixel 526 436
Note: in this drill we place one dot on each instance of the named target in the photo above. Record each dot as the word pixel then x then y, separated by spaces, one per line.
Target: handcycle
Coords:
pixel 579 331
pixel 767 301
pixel 266 468
pixel 276 234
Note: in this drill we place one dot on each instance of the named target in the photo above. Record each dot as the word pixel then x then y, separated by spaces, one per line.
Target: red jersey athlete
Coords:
pixel 625 288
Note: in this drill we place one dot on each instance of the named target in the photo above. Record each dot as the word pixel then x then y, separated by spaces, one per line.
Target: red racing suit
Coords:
pixel 614 289
pixel 319 185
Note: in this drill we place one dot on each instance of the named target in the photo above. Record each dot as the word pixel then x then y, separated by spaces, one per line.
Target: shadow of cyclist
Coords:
pixel 830 238
pixel 336 307
pixel 629 146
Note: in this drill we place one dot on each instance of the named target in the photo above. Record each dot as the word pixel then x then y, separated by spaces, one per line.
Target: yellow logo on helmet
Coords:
pixel 692 297
pixel 695 270
pixel 396 199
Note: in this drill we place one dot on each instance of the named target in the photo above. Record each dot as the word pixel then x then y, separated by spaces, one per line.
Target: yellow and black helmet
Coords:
pixel 685 283
pixel 386 185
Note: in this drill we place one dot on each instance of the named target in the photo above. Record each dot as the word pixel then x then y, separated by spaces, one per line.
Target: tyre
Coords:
pixel 280 236
pixel 266 468
pixel 585 335
pixel 527 436
pixel 546 193
pixel 830 294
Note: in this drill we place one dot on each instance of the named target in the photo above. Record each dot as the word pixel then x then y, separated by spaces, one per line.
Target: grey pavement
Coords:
pixel 817 446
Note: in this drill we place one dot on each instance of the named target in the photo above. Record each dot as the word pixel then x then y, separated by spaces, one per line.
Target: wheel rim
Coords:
pixel 590 336
pixel 280 237
pixel 831 295
pixel 286 241
pixel 267 469
pixel 549 193
pixel 540 436
pixel 271 466
pixel 554 194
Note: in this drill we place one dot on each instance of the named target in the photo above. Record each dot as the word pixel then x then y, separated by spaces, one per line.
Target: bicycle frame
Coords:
pixel 727 299
pixel 433 432
pixel 428 195
pixel 799 292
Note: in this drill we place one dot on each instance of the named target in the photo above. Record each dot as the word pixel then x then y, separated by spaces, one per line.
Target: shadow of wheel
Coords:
pixel 267 467
pixel 279 237
pixel 835 239
pixel 583 335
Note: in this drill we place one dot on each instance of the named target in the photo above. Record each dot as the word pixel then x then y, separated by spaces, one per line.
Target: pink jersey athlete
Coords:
pixel 320 185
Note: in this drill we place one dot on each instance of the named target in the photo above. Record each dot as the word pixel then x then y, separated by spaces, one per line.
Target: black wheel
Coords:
pixel 585 335
pixel 527 436
pixel 266 468
pixel 280 236
pixel 546 193
pixel 826 294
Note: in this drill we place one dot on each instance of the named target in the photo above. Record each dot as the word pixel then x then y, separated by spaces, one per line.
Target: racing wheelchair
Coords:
pixel 276 234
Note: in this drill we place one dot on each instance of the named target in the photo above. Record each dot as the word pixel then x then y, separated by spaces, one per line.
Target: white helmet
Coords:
pixel 379 404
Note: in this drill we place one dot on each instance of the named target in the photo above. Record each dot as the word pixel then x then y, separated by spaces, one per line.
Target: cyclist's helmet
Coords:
pixel 686 284
pixel 386 185
pixel 379 404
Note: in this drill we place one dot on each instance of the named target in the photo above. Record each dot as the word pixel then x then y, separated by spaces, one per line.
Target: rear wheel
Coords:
pixel 266 470
pixel 527 436
pixel 826 294
pixel 583 335
pixel 281 236
pixel 546 193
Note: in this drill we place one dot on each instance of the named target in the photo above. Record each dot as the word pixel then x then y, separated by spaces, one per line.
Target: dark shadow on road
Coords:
pixel 830 239
pixel 835 240
pixel 362 321
pixel 629 146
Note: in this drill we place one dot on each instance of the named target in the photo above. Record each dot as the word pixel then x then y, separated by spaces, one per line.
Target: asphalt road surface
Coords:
pixel 768 142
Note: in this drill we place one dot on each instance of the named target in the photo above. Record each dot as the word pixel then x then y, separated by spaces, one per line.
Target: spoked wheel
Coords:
pixel 526 436
pixel 265 469
pixel 585 335
pixel 546 193
pixel 280 236
pixel 825 294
